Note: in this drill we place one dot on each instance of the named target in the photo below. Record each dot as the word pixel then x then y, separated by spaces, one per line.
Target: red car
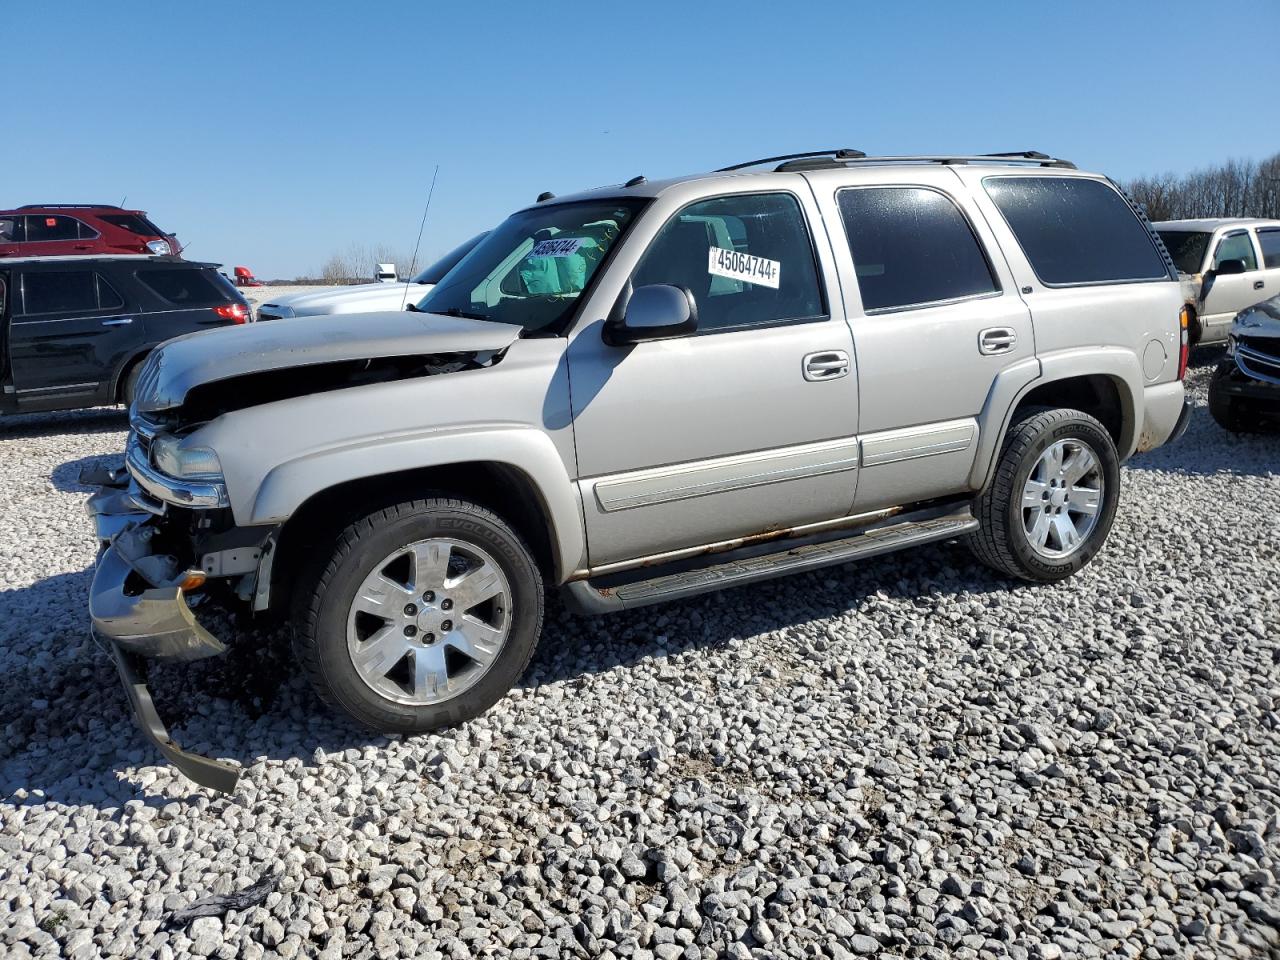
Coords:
pixel 59 229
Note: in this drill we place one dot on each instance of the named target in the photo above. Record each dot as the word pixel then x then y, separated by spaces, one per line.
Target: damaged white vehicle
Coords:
pixel 642 393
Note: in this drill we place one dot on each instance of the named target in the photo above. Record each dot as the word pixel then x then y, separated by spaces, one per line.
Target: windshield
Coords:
pixel 1187 248
pixel 531 269
pixel 435 273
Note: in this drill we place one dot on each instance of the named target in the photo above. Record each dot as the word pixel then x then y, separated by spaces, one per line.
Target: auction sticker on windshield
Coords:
pixel 560 247
pixel 743 266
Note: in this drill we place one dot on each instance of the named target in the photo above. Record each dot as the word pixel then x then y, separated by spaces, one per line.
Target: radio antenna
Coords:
pixel 414 262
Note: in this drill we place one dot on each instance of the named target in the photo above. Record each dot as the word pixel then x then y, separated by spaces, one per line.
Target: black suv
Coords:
pixel 74 330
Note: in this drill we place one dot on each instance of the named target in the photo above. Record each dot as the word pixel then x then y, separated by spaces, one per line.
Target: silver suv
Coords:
pixel 640 393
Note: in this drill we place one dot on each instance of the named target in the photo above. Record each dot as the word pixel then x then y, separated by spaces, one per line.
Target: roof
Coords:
pixel 107 258
pixel 817 160
pixel 1214 223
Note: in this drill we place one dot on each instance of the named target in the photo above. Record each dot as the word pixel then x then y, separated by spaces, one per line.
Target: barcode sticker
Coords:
pixel 558 247
pixel 743 266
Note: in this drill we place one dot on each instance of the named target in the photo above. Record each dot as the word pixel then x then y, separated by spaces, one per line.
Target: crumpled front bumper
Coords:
pixel 137 605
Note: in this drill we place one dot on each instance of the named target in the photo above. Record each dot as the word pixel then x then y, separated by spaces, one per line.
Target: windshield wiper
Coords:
pixel 455 312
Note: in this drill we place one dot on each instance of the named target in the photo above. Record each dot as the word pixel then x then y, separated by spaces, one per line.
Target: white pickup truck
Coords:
pixel 1233 262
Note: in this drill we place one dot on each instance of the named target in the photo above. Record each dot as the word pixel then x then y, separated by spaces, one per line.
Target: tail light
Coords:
pixel 1184 333
pixel 239 313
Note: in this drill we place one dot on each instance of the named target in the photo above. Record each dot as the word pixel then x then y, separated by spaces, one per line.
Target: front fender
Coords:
pixel 291 483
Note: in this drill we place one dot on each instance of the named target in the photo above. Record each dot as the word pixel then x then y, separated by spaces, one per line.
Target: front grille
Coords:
pixel 145 431
pixel 1259 357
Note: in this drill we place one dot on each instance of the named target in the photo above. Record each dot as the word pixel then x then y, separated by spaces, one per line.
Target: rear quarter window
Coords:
pixel 186 287
pixel 132 223
pixel 1077 231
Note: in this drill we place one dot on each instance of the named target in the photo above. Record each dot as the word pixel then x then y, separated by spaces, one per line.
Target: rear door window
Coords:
pixel 1236 246
pixel 10 229
pixel 1077 231
pixel 1269 240
pixel 133 223
pixel 184 287
pixel 43 229
pixel 912 246
pixel 59 291
pixel 747 260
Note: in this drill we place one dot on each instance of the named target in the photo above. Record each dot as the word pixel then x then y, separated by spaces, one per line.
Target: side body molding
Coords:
pixel 524 448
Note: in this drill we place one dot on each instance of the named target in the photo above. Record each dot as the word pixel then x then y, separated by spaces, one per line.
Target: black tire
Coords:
pixel 130 386
pixel 1231 413
pixel 324 599
pixel 1002 542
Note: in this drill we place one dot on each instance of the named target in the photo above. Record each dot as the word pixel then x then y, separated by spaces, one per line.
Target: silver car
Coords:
pixel 641 393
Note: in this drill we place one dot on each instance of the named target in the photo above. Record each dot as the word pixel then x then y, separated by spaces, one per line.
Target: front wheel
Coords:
pixel 426 615
pixel 1051 503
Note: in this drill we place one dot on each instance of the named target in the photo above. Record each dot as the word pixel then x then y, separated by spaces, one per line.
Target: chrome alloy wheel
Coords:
pixel 1062 498
pixel 429 621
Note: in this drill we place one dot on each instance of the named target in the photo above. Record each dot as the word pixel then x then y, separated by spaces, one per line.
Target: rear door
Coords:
pixel 70 333
pixel 1269 247
pixel 936 319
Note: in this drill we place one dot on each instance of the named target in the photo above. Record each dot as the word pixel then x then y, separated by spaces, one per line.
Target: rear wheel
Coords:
pixel 1051 503
pixel 426 615
pixel 130 388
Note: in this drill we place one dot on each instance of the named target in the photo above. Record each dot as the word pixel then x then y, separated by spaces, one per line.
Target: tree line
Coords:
pixel 1237 188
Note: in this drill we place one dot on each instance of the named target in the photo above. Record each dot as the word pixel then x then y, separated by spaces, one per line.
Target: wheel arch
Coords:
pixel 1104 383
pixel 504 488
pixel 131 363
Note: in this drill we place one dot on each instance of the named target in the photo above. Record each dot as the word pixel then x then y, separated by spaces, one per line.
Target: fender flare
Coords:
pixel 290 484
pixel 1012 386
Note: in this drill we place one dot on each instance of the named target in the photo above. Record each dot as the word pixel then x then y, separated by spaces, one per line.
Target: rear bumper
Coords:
pixel 137 606
pixel 1164 407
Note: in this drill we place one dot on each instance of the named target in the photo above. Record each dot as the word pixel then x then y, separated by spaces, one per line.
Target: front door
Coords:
pixel 68 336
pixel 743 427
pixel 1228 295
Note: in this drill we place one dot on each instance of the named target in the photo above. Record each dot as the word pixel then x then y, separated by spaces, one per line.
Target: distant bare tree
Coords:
pixel 1236 188
pixel 359 262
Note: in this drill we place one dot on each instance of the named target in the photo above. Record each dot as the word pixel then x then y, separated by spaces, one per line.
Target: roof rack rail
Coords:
pixel 68 206
pixel 820 161
pixel 844 153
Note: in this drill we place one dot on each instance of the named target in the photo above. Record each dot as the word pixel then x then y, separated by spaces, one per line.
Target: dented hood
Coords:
pixel 177 366
pixel 1260 320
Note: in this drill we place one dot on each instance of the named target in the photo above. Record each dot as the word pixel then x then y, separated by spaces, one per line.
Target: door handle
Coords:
pixel 997 340
pixel 1258 284
pixel 826 365
pixel 117 321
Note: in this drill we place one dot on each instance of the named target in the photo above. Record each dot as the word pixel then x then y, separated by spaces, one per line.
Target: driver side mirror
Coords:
pixel 658 311
pixel 1229 268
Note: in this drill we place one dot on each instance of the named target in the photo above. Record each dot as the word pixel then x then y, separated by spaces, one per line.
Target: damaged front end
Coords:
pixel 151 558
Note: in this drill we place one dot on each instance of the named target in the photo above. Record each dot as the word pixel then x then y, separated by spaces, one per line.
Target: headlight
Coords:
pixel 160 248
pixel 184 463
pixel 1231 345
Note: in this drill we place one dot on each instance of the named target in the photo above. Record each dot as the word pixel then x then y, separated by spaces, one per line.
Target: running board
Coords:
pixel 596 598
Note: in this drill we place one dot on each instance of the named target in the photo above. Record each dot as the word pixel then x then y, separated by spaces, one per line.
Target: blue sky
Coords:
pixel 274 134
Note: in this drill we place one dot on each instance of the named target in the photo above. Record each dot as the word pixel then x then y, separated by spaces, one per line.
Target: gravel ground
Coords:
pixel 907 757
